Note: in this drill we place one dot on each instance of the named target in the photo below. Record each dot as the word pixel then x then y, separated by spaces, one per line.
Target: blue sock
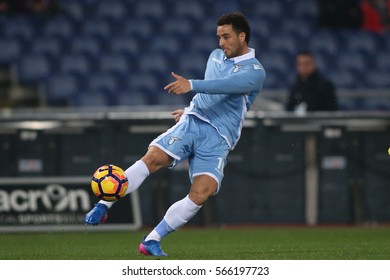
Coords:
pixel 163 228
pixel 177 215
pixel 160 231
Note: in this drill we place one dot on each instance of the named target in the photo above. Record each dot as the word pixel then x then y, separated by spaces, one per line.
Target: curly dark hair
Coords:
pixel 238 22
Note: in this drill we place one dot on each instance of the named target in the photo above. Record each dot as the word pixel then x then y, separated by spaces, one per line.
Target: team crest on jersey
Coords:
pixel 257 66
pixel 173 139
pixel 237 68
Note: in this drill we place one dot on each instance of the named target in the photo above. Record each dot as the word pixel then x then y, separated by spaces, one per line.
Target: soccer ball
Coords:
pixel 109 182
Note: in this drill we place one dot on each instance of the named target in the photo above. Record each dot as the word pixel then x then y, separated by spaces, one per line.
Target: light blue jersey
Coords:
pixel 227 92
pixel 218 109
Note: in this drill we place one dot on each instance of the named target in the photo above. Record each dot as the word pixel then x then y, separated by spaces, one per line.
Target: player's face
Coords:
pixel 306 66
pixel 231 43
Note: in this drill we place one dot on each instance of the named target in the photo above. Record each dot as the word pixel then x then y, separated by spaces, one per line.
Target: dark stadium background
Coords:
pixel 120 52
pixel 107 62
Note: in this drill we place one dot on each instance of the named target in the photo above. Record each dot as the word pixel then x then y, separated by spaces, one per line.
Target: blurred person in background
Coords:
pixel 376 15
pixel 4 6
pixel 340 14
pixel 310 91
pixel 46 8
pixel 7 6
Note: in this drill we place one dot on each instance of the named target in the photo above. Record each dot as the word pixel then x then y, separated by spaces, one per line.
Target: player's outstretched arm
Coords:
pixel 180 86
pixel 249 79
pixel 177 114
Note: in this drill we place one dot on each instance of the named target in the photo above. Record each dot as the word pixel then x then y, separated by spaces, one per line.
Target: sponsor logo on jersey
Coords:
pixel 237 68
pixel 173 139
pixel 257 67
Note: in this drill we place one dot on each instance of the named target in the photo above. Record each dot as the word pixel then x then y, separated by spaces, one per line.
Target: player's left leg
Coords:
pixel 203 186
pixel 206 173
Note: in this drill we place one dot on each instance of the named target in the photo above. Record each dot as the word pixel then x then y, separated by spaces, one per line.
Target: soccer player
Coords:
pixel 205 131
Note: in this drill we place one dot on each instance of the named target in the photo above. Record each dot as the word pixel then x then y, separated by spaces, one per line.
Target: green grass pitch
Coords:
pixel 261 243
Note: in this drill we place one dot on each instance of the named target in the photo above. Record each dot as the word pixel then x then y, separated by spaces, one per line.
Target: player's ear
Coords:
pixel 242 37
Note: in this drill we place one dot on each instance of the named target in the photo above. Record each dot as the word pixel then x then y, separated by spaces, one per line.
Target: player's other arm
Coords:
pixel 247 80
pixel 177 114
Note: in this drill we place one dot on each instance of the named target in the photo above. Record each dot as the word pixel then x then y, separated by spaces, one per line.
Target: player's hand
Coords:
pixel 177 114
pixel 180 86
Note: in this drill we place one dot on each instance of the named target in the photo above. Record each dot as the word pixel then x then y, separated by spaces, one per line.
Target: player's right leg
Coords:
pixel 152 161
pixel 166 150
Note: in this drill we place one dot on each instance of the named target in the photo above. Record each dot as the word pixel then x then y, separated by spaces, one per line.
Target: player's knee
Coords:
pixel 156 159
pixel 202 188
pixel 198 197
